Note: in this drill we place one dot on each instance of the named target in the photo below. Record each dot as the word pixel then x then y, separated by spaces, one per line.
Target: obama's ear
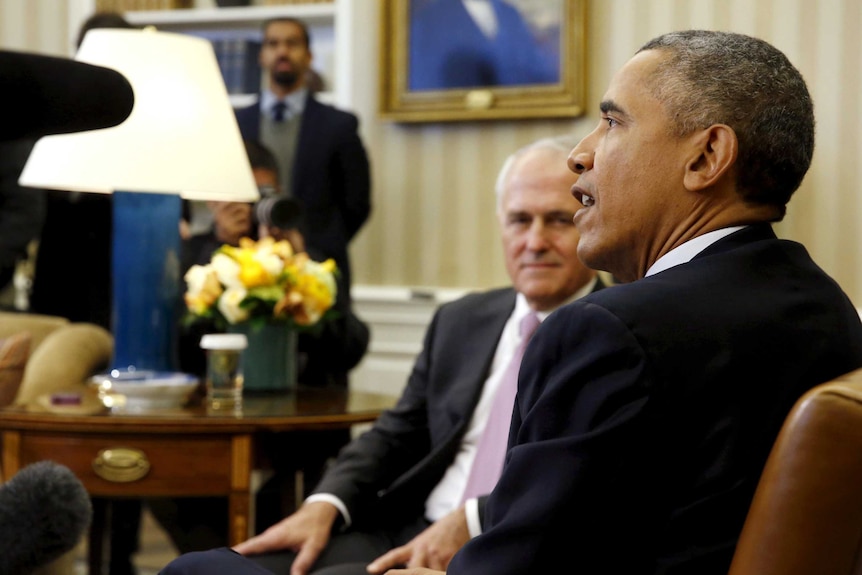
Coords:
pixel 714 152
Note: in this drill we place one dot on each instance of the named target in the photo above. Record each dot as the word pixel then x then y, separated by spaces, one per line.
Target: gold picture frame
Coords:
pixel 416 98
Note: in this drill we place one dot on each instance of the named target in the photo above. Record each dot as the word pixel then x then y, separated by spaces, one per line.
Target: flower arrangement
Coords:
pixel 261 282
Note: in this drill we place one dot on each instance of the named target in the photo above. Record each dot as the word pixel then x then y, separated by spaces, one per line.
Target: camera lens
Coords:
pixel 278 212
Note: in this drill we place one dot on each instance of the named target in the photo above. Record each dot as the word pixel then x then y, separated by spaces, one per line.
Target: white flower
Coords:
pixel 196 278
pixel 228 305
pixel 203 289
pixel 272 263
pixel 227 270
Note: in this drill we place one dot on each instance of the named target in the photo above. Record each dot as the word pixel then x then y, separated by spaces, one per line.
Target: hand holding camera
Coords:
pixel 276 215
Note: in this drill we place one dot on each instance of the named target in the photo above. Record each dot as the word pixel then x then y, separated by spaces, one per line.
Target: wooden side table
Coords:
pixel 175 453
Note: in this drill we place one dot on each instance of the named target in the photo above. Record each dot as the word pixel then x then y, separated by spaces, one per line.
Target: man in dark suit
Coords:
pixel 645 412
pixel 399 493
pixel 321 158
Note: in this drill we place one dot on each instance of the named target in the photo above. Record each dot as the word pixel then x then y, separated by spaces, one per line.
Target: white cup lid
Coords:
pixel 224 341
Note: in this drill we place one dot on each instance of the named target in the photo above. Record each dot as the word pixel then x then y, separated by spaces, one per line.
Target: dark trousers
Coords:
pixel 347 553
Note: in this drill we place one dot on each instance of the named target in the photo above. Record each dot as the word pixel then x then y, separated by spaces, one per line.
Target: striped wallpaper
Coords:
pixel 433 222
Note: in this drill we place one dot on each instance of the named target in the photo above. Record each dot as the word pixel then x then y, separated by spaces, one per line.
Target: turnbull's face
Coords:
pixel 285 55
pixel 631 177
pixel 540 241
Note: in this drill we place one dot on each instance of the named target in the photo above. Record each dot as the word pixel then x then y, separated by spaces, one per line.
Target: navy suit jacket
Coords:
pixel 646 411
pixel 331 176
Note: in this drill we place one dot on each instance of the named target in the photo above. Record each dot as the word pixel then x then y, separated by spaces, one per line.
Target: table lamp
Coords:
pixel 180 140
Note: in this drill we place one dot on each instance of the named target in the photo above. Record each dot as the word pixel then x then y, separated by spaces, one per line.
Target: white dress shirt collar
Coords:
pixel 295 102
pixel 685 252
pixel 522 308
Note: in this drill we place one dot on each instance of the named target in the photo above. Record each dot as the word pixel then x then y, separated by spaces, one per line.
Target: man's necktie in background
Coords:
pixel 279 111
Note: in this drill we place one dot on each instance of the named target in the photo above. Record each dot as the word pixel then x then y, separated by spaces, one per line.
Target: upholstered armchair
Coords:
pixel 48 354
pixel 62 354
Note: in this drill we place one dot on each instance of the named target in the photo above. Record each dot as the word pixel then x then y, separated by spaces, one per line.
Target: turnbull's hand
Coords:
pixel 306 533
pixel 432 548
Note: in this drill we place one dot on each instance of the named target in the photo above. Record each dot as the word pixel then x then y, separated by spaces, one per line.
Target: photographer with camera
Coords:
pixel 275 214
pixel 325 357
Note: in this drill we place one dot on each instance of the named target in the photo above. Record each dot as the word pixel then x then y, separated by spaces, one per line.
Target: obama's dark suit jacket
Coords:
pixel 645 413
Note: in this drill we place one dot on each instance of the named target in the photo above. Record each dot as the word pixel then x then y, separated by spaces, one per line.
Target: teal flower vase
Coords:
pixel 269 361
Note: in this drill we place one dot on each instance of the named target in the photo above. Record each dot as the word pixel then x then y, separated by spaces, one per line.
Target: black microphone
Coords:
pixel 44 512
pixel 46 95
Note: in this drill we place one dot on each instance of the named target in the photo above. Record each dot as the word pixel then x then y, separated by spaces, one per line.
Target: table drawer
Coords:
pixel 158 465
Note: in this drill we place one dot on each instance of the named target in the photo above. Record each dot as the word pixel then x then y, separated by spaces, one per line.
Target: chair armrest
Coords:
pixel 65 359
pixel 39 326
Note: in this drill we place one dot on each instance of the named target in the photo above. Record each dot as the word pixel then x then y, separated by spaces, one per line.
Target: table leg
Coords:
pixel 96 541
pixel 239 501
pixel 11 458
pixel 239 517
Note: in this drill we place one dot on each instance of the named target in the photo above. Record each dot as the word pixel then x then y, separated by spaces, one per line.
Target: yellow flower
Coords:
pixel 312 292
pixel 259 263
pixel 252 273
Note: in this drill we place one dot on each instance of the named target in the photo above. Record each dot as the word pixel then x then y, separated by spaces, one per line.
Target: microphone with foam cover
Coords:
pixel 44 512
pixel 45 95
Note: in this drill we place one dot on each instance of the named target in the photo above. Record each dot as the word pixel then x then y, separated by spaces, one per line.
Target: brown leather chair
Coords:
pixel 806 516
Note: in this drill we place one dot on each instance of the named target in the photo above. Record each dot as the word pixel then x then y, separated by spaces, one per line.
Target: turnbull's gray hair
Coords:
pixel 724 78
pixel 561 144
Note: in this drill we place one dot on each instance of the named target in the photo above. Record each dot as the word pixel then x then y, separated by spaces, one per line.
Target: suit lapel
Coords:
pixel 478 352
pixel 476 348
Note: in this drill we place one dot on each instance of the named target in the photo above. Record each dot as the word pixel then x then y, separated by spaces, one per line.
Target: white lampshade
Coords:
pixel 181 137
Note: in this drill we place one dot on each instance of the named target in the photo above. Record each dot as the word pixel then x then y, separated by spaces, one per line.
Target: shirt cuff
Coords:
pixel 339 504
pixel 471 510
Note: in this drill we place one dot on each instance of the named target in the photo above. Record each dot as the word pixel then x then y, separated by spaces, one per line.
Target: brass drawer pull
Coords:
pixel 121 464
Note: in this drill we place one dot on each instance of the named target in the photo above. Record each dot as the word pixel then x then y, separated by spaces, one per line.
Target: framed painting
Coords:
pixel 447 60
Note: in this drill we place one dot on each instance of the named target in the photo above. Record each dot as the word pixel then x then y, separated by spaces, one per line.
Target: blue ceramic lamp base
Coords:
pixel 146 280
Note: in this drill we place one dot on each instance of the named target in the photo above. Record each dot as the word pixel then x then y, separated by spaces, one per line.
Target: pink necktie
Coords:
pixel 491 451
